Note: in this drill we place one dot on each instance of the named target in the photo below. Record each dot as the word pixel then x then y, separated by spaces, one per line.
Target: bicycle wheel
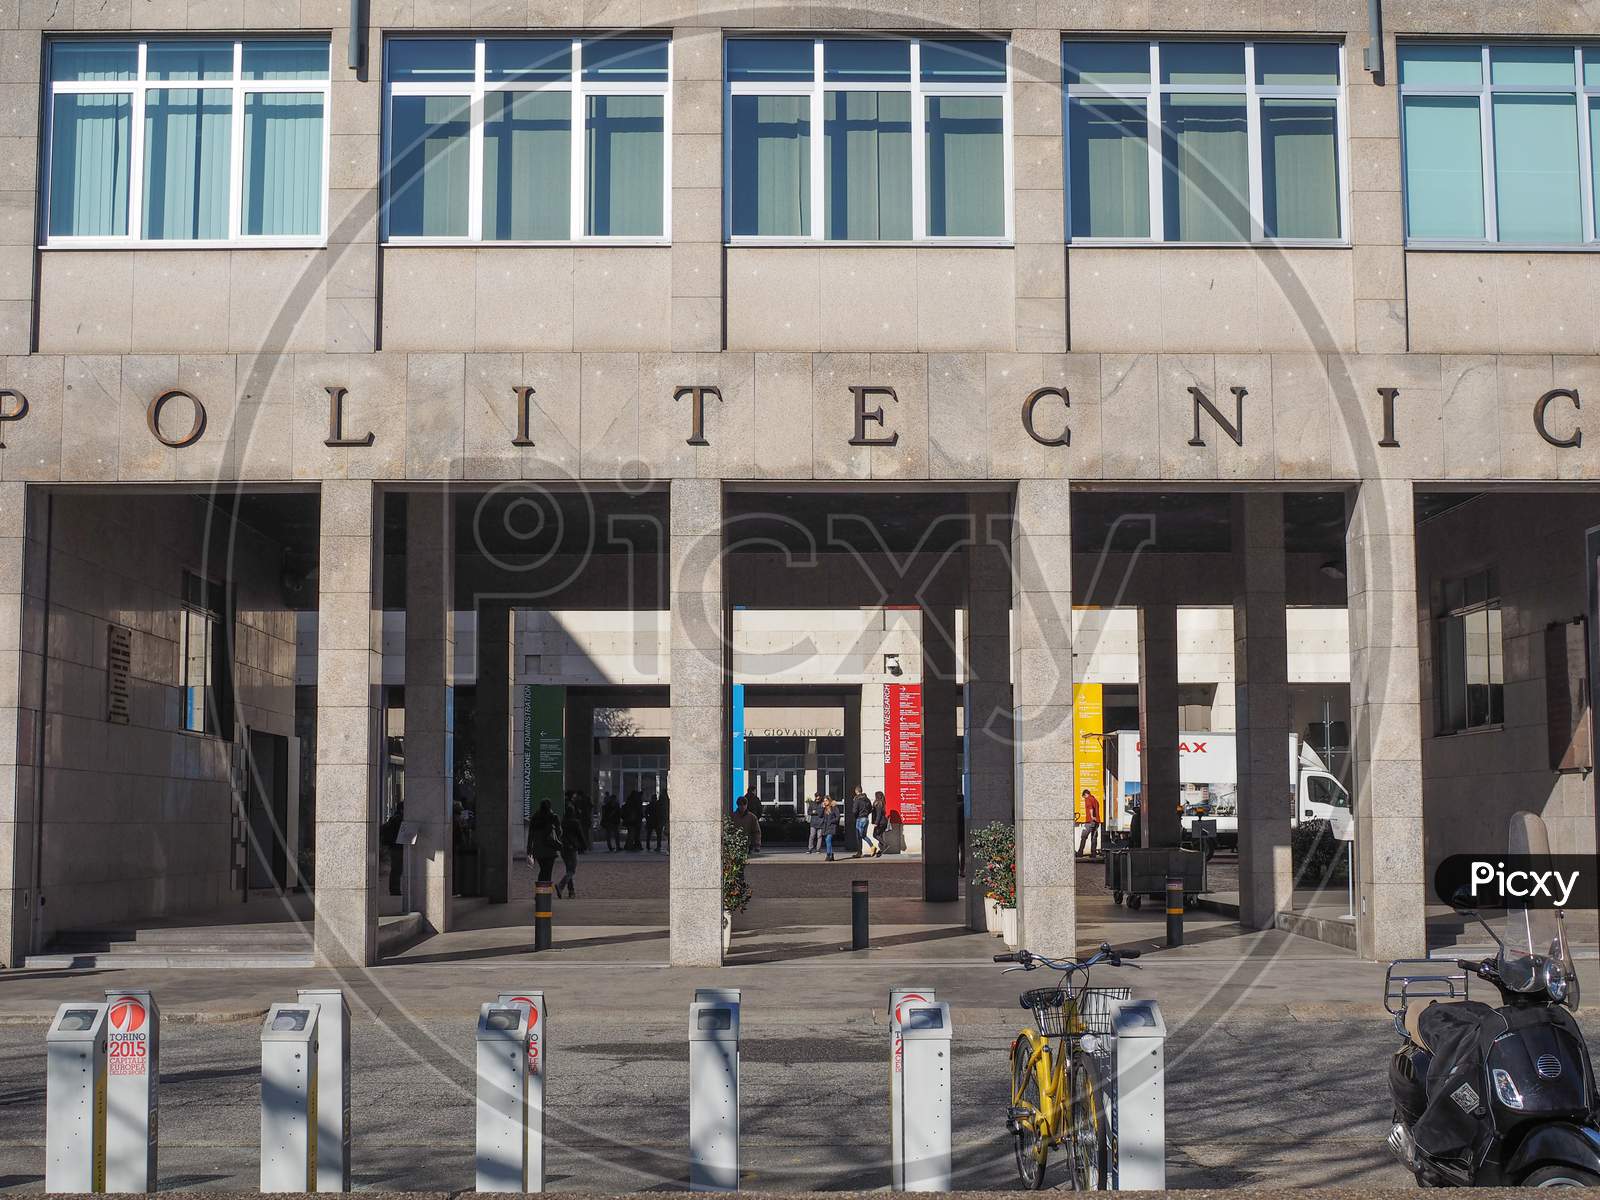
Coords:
pixel 1089 1139
pixel 1032 1150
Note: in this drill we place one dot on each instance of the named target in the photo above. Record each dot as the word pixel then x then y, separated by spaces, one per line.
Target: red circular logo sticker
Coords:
pixel 911 998
pixel 533 1013
pixel 127 1015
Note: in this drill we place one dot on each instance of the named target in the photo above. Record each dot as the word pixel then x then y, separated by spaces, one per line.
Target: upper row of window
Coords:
pixel 543 139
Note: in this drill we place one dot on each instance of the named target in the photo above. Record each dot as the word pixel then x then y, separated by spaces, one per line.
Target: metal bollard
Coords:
pixel 898 999
pixel 858 914
pixel 133 1082
pixel 289 1081
pixel 75 1100
pixel 1139 1116
pixel 925 1030
pixel 538 1063
pixel 543 905
pixel 1174 912
pixel 502 1098
pixel 714 1096
pixel 333 1086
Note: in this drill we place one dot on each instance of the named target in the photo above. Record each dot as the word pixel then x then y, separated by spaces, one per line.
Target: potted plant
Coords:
pixel 735 886
pixel 995 848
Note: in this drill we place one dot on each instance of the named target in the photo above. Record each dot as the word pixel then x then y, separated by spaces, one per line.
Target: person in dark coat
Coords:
pixel 633 819
pixel 830 825
pixel 611 822
pixel 573 840
pixel 389 839
pixel 861 818
pixel 745 818
pixel 544 840
pixel 880 823
pixel 652 823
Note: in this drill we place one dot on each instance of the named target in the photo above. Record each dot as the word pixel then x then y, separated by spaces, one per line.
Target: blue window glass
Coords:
pixel 861 60
pixel 1536 168
pixel 283 164
pixel 286 60
pixel 89 149
pixel 1535 66
pixel 189 60
pixel 1444 168
pixel 1107 64
pixel 1202 62
pixel 85 62
pixel 432 60
pixel 428 173
pixel 966 61
pixel 615 60
pixel 1441 66
pixel 187 133
pixel 527 59
pixel 1299 64
pixel 771 60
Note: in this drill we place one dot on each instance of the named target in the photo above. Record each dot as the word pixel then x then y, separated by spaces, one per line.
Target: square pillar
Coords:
pixel 699 723
pixel 1041 555
pixel 430 700
pixel 1261 707
pixel 990 746
pixel 697 269
pixel 23 563
pixel 1041 258
pixel 1386 715
pixel 497 816
pixel 349 729
pixel 941 881
pixel 578 768
pixel 1158 725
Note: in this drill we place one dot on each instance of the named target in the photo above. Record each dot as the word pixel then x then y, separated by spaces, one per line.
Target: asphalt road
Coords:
pixel 1253 1102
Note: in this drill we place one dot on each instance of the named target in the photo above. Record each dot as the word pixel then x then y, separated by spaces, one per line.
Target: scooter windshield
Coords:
pixel 1533 954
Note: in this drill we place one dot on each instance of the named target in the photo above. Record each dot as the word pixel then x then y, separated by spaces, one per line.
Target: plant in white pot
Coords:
pixel 735 886
pixel 995 847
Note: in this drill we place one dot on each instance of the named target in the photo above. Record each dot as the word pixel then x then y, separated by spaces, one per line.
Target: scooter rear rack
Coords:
pixel 1409 979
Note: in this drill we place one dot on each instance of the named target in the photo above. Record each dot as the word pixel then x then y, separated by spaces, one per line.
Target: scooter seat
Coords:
pixel 1413 1021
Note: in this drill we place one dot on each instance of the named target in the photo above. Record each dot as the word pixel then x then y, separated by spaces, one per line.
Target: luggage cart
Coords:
pixel 1134 873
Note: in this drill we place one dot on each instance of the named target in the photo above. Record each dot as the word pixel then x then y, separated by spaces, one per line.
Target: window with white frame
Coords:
pixel 1210 141
pixel 187 140
pixel 1499 142
pixel 914 139
pixel 527 139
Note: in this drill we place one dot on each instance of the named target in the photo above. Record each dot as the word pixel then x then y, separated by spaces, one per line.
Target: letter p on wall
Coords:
pixel 13 407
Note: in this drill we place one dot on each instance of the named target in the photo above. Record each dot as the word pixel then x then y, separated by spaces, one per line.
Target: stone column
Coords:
pixel 697 275
pixel 497 815
pixel 699 722
pixel 579 765
pixel 349 729
pixel 1261 707
pixel 1158 724
pixel 430 698
pixel 22 588
pixel 940 877
pixel 852 738
pixel 987 700
pixel 1041 554
pixel 1041 259
pixel 1386 714
pixel 355 145
pixel 1377 210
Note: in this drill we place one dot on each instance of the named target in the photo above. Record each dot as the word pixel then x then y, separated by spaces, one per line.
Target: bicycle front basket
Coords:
pixel 1093 1007
pixel 1049 1010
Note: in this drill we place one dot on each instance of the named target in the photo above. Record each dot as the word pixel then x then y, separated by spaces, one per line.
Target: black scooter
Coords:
pixel 1495 1097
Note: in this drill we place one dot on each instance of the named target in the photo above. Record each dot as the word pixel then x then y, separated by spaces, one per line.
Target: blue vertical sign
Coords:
pixel 737 723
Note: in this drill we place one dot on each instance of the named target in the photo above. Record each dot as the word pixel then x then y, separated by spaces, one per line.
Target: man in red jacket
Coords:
pixel 1091 825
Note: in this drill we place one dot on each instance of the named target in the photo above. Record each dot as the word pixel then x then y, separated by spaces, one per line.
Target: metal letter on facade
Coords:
pixel 133 1080
pixel 18 411
pixel 152 418
pixel 1566 443
pixel 1032 402
pixel 524 397
pixel 336 436
pixel 865 414
pixel 1389 441
pixel 698 393
pixel 1234 428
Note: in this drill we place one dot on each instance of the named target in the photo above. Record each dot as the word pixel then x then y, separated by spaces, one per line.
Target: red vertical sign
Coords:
pixel 902 750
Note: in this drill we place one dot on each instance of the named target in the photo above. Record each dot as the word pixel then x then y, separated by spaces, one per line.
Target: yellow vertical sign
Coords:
pixel 1088 744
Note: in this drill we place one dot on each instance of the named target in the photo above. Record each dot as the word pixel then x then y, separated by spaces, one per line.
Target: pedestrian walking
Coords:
pixel 814 820
pixel 573 841
pixel 861 815
pixel 611 822
pixel 880 823
pixel 830 825
pixel 633 819
pixel 389 839
pixel 652 824
pixel 744 816
pixel 1091 825
pixel 544 840
pixel 664 838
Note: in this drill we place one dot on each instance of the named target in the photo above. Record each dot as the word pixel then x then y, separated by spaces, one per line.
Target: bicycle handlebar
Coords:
pixel 1029 960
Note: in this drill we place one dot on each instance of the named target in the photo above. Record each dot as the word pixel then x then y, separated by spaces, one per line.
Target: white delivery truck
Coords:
pixel 1208 779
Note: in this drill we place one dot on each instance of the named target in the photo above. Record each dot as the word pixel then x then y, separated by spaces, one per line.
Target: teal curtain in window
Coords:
pixel 428 165
pixel 89 149
pixel 626 166
pixel 1594 157
pixel 186 138
pixel 771 166
pixel 1536 168
pixel 966 166
pixel 283 164
pixel 527 166
pixel 1444 168
pixel 867 151
pixel 1299 168
pixel 1108 144
pixel 1205 168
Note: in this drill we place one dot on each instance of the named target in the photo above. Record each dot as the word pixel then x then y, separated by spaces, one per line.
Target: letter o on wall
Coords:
pixel 152 418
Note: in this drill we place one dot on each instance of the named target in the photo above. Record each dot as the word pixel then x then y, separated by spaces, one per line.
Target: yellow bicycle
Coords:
pixel 1058 1097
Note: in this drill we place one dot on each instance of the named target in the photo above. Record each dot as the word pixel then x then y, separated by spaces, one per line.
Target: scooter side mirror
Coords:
pixel 1464 902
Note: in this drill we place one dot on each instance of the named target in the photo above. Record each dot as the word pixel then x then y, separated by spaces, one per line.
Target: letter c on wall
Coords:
pixel 1566 443
pixel 152 417
pixel 1032 402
